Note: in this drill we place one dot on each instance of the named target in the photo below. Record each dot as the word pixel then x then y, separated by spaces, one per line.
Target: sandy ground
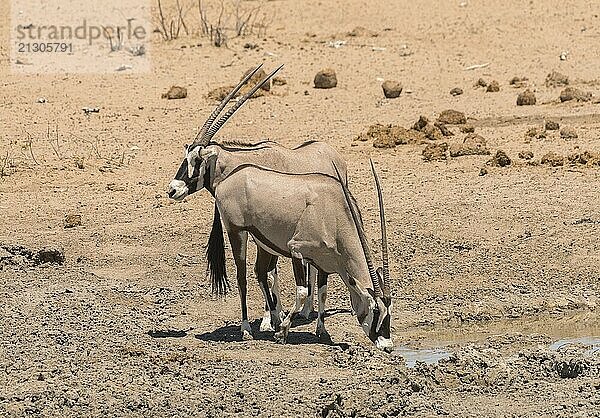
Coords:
pixel 495 268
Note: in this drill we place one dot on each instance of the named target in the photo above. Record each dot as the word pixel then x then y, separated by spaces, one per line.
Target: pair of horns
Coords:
pixel 210 127
pixel 380 277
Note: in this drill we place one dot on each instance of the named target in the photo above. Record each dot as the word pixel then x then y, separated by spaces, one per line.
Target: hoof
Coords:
pixel 247 335
pixel 265 325
pixel 280 337
pixel 306 313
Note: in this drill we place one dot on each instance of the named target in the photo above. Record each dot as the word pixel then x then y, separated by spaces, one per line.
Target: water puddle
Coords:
pixel 430 345
pixel 592 343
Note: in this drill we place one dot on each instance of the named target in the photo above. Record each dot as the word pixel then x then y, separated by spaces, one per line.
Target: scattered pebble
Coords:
pixel 535 132
pixel 443 129
pixel 481 83
pixel 568 133
pixel 553 159
pixel 526 155
pixel 526 98
pixel 483 171
pixel 41 100
pixel 473 144
pixel 175 92
pixel 556 79
pixel 552 125
pixel 360 31
pixel 456 91
pixel 325 79
pixel 388 136
pixel 518 81
pixel 391 89
pixel 493 87
pixel 467 129
pixel 572 93
pixel 72 220
pixel 452 117
pixel 435 152
pixel 500 159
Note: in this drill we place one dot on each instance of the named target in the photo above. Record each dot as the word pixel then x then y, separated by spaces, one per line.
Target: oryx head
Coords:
pixel 377 323
pixel 196 161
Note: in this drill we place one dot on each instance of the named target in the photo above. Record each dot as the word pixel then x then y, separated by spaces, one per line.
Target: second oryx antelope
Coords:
pixel 311 156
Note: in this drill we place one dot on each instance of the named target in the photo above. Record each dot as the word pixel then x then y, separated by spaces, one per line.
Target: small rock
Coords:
pixel 391 89
pixel 254 80
pixel 553 159
pixel 473 144
pixel 50 255
pixel 493 87
pixel 452 117
pixel 481 83
pixel 325 79
pixel 219 93
pixel 456 91
pixel 526 98
pixel 552 125
pixel 556 79
pixel 360 31
pixel 572 93
pixel 279 81
pixel 535 132
pixel 467 129
pixel 518 81
pixel 175 92
pixel 500 159
pixel 443 129
pixel 421 123
pixel 483 171
pixel 568 133
pixel 435 152
pixel 72 220
pixel 526 155
pixel 432 132
pixel 41 100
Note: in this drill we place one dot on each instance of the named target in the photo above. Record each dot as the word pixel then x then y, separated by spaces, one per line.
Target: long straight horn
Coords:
pixel 201 137
pixel 215 128
pixel 384 245
pixel 361 235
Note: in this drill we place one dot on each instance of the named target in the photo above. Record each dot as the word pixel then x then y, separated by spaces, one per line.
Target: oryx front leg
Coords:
pixel 239 241
pixel 301 295
pixel 308 308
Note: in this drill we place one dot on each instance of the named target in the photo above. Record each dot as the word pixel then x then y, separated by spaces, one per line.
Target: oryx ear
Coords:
pixel 207 152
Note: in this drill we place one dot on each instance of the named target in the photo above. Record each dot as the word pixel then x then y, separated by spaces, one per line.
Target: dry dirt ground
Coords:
pixel 495 268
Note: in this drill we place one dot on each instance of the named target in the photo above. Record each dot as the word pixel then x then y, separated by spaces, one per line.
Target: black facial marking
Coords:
pixel 182 175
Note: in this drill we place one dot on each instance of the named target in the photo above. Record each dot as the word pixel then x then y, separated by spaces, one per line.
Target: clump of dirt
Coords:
pixel 175 92
pixel 535 132
pixel 254 80
pixel 443 129
pixel 456 91
pixel 553 159
pixel 391 89
pixel 556 79
pixel 526 98
pixel 467 129
pixel 473 144
pixel 452 117
pixel 568 133
pixel 72 220
pixel 526 155
pixel 483 171
pixel 325 79
pixel 436 152
pixel 500 159
pixel 585 158
pixel 572 93
pixel 388 136
pixel 278 81
pixel 363 32
pixel 493 87
pixel 481 83
pixel 220 93
pixel 552 125
pixel 20 256
pixel 518 82
pixel 421 123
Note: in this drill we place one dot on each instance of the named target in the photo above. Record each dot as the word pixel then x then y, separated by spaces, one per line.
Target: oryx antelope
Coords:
pixel 311 156
pixel 309 217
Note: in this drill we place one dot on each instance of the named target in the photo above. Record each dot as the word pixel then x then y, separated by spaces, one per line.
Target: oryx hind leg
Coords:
pixel 322 294
pixel 266 273
pixel 301 295
pixel 308 307
pixel 239 242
